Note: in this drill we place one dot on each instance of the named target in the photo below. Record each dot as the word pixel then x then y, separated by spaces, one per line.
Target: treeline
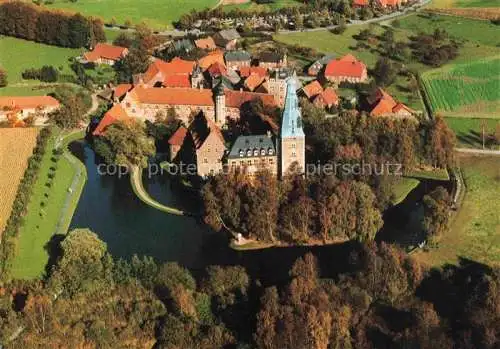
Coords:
pixel 20 205
pixel 30 22
pixel 382 299
pixel 46 74
pixel 295 210
pixel 434 49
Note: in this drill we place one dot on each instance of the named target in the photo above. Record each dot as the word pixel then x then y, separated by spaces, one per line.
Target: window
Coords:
pixel 205 160
pixel 293 145
pixel 294 154
pixel 271 161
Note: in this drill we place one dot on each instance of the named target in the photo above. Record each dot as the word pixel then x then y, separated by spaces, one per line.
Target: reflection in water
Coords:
pixel 109 207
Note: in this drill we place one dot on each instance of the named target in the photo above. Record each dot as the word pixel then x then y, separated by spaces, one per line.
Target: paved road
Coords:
pixel 478 151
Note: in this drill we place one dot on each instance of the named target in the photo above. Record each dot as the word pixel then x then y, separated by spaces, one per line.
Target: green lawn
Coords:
pixel 439 174
pixel 41 221
pixel 469 130
pixel 253 6
pixel 471 89
pixel 17 55
pixel 156 13
pixel 475 230
pixel 112 34
pixel 402 188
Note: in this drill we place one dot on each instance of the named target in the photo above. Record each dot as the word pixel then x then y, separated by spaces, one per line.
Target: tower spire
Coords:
pixel 291 125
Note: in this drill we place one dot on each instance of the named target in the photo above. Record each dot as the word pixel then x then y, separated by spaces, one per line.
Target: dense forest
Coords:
pixel 382 299
pixel 34 23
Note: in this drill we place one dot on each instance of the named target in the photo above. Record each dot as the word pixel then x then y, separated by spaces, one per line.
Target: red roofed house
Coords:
pixel 347 68
pixel 23 107
pixel 312 89
pixel 177 80
pixel 176 141
pixel 216 56
pixel 389 3
pixel 116 113
pixel 216 70
pixel 383 104
pixel 120 90
pixel 105 54
pixel 253 81
pixel 158 72
pixel 206 44
pixel 247 71
pixel 327 98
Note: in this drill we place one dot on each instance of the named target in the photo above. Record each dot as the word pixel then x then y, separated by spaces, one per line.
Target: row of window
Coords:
pixel 256 152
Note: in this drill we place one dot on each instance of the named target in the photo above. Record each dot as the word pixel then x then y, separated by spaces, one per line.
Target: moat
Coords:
pixel 109 207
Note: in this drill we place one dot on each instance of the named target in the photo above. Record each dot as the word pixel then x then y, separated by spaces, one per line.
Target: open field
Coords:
pixel 252 6
pixel 469 130
pixel 47 208
pixel 16 146
pixel 156 13
pixel 471 89
pixel 463 3
pixel 475 230
pixel 402 188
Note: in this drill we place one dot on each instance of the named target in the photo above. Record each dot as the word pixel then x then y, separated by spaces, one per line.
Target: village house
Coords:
pixel 253 82
pixel 205 44
pixel 227 39
pixel 326 99
pixel 312 89
pixel 116 113
pixel 203 140
pixel 175 73
pixel 272 60
pixel 235 60
pixel 360 3
pixel 316 68
pixel 346 69
pixel 383 105
pixel 18 108
pixel 216 56
pixel 105 54
pixel 276 84
pixel 250 154
pixel 389 3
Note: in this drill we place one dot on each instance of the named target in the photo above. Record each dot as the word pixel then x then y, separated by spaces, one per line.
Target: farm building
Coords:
pixel 19 108
pixel 105 54
pixel 347 68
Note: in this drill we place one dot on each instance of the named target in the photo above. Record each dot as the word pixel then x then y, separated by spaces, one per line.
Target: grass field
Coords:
pixel 475 230
pixel 252 6
pixel 156 13
pixel 16 146
pixel 469 131
pixel 42 220
pixel 463 3
pixel 17 55
pixel 471 89
pixel 402 188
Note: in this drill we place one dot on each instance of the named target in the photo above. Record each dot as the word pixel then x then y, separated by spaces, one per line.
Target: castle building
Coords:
pixel 250 154
pixel 292 137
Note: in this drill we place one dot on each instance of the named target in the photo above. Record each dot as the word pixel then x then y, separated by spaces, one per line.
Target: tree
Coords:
pixel 123 40
pixel 440 141
pixel 384 72
pixel 129 143
pixel 72 112
pixel 436 212
pixel 3 78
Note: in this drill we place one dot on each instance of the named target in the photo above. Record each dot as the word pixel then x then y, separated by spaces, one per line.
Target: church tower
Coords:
pixel 220 106
pixel 292 140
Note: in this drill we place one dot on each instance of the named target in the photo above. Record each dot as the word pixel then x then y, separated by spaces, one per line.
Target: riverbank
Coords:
pixel 54 199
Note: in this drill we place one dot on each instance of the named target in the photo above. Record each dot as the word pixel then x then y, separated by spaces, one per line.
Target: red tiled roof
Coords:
pixel 345 66
pixel 384 104
pixel 235 99
pixel 385 3
pixel 176 66
pixel 253 81
pixel 116 113
pixel 247 71
pixel 206 44
pixel 178 137
pixel 360 2
pixel 105 51
pixel 312 89
pixel 31 102
pixel 217 69
pixel 121 89
pixel 211 58
pixel 329 96
pixel 177 81
pixel 173 96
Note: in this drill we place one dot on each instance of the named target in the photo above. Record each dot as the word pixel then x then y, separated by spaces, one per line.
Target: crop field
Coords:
pixel 464 3
pixel 471 89
pixel 16 146
pixel 159 14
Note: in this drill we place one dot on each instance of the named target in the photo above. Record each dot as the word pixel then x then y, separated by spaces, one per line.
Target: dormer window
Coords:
pixel 262 152
pixel 255 152
pixel 241 153
pixel 270 151
pixel 249 152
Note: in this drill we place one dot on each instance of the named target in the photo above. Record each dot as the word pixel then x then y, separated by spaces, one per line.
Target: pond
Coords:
pixel 109 207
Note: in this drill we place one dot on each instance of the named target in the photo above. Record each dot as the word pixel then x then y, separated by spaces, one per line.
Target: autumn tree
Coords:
pixel 440 141
pixel 3 78
pixel 129 143
pixel 436 212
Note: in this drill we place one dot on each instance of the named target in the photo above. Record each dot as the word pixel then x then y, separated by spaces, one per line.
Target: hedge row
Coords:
pixel 34 23
pixel 20 205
